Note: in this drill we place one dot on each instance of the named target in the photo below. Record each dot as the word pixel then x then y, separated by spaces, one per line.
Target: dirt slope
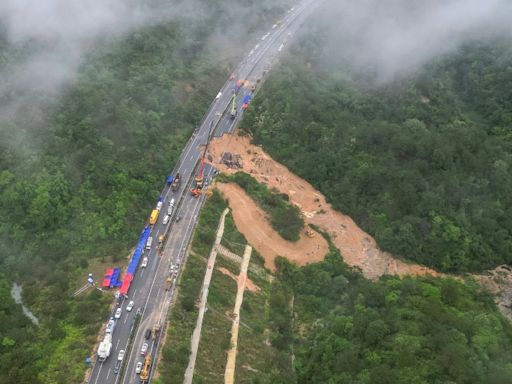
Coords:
pixel 251 221
pixel 357 247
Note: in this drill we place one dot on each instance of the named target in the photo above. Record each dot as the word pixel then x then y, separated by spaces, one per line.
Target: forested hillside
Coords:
pixel 422 162
pixel 79 172
pixel 343 328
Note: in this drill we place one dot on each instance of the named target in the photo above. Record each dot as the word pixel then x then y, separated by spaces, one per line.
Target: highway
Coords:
pixel 147 290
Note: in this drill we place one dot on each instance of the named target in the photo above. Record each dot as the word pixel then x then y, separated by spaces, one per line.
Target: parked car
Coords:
pixel 138 367
pixel 144 348
pixel 119 311
pixel 148 334
pixel 130 305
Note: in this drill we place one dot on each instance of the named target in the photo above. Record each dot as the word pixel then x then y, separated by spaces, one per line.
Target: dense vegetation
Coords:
pixel 79 174
pixel 422 163
pixel 253 356
pixel 284 217
pixel 339 326
pixel 408 330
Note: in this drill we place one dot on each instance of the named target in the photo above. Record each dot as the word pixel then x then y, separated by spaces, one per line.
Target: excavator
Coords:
pixel 144 374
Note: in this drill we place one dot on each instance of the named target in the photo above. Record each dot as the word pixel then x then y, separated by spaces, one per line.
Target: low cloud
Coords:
pixel 395 37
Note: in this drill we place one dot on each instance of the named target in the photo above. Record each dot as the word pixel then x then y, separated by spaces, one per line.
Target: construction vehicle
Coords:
pixel 196 192
pixel 146 368
pixel 232 110
pixel 105 347
pixel 246 100
pixel 310 233
pixel 154 216
pixel 168 283
pixel 176 183
pixel 155 330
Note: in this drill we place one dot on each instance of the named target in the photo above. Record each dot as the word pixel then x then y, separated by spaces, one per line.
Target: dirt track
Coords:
pixel 357 247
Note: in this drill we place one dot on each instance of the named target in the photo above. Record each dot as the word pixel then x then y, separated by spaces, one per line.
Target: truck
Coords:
pixel 246 101
pixel 155 330
pixel 149 242
pixel 176 183
pixel 232 109
pixel 154 217
pixel 105 348
pixel 146 368
pixel 168 283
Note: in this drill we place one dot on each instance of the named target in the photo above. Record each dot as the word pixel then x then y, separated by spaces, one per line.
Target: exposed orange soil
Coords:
pixel 357 247
pixel 252 222
pixel 249 284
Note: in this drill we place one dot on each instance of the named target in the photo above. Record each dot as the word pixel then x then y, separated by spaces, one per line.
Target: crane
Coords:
pixel 233 110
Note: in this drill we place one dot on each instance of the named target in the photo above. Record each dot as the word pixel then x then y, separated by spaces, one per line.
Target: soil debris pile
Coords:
pixel 357 247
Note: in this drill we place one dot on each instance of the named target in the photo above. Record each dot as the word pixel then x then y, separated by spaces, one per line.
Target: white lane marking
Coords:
pixel 108 372
pixel 141 317
pixel 134 293
pixel 125 319
pixel 117 344
pixel 98 376
pixel 153 267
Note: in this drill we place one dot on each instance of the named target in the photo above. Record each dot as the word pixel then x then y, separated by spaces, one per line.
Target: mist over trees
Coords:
pixel 422 162
pixel 85 146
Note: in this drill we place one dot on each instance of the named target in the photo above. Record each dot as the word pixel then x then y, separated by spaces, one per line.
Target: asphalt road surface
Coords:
pixel 148 286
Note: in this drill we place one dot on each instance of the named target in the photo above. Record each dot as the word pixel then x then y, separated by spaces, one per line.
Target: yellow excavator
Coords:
pixel 146 368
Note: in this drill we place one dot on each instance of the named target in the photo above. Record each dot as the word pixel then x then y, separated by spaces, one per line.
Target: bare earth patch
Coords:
pixel 252 222
pixel 357 247
pixel 249 284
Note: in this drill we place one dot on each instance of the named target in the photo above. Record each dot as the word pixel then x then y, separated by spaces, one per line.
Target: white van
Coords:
pixel 149 242
pixel 144 262
pixel 170 207
pixel 165 220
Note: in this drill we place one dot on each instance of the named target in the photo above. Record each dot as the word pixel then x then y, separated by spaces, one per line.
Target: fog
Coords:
pixel 384 38
pixel 46 41
pixel 395 37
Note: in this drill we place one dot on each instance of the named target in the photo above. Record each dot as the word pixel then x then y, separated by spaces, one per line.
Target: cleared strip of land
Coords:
pixel 229 376
pixel 196 336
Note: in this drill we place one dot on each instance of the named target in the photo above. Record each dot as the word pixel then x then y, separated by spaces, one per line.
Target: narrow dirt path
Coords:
pixel 229 374
pixel 196 335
